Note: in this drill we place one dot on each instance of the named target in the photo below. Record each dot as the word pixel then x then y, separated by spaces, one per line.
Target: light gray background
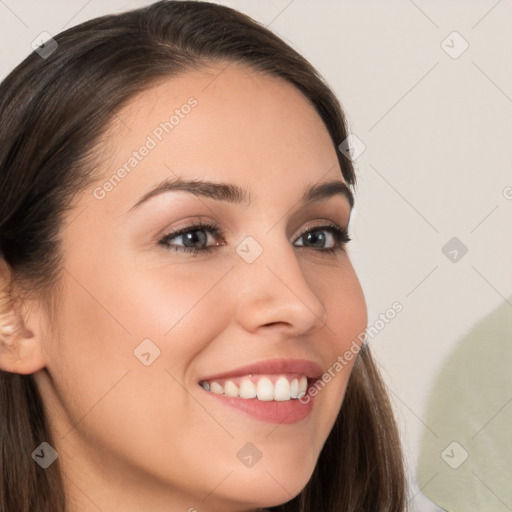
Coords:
pixel 437 162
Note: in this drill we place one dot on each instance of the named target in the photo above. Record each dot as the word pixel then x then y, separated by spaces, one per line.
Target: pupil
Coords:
pixel 318 236
pixel 193 237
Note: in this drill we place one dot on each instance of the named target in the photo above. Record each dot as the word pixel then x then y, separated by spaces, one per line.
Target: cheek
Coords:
pixel 108 394
pixel 94 347
pixel 172 305
pixel 350 315
pixel 340 291
pixel 347 318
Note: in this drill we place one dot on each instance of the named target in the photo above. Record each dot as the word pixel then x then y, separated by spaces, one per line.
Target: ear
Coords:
pixel 20 344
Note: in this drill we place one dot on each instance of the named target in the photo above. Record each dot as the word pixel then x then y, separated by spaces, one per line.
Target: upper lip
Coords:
pixel 304 367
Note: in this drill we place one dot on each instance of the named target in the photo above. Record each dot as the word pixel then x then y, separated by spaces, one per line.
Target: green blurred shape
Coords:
pixel 465 462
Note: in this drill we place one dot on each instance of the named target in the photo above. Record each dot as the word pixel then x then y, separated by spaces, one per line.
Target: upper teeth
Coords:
pixel 263 389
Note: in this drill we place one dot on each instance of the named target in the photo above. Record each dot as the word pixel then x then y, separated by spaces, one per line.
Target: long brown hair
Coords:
pixel 53 111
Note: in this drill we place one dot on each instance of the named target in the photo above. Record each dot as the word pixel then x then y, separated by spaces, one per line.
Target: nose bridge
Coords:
pixel 273 288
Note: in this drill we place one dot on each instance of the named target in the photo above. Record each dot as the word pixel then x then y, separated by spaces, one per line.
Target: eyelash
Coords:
pixel 341 237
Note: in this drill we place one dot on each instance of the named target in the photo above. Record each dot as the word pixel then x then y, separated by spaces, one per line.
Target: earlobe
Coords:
pixel 20 348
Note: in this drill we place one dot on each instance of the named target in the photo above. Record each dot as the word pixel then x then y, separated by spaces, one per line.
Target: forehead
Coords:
pixel 226 123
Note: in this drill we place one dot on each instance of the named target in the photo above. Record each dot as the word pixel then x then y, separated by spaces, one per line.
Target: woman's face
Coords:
pixel 145 325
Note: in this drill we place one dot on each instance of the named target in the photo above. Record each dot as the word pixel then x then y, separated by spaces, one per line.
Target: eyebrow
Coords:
pixel 237 195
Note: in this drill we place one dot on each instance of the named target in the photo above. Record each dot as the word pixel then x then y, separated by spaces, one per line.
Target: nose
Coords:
pixel 273 293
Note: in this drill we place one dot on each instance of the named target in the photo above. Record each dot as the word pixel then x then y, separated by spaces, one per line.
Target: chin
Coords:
pixel 264 487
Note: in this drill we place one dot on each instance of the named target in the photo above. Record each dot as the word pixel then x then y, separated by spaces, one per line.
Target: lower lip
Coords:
pixel 272 411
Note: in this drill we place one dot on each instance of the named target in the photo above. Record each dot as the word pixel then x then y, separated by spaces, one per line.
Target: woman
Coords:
pixel 175 281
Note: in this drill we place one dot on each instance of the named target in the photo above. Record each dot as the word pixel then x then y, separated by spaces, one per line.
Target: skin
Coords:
pixel 132 437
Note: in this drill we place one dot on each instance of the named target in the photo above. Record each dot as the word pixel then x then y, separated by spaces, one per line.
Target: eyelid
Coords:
pixel 197 221
pixel 217 228
pixel 322 223
pixel 195 224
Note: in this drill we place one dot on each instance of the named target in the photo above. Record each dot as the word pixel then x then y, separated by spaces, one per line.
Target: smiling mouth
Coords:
pixel 273 390
pixel 266 388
